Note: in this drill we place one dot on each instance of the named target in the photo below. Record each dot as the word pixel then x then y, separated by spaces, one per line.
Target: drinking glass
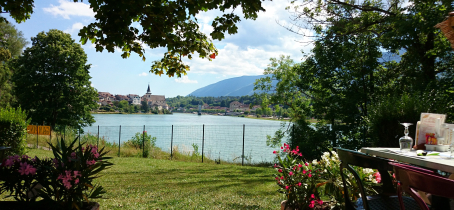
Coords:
pixel 451 150
pixel 406 142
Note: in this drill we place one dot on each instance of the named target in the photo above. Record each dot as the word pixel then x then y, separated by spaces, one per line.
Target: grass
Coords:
pixel 146 183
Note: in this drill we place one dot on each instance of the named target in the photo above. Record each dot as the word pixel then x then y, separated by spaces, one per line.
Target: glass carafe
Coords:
pixel 406 142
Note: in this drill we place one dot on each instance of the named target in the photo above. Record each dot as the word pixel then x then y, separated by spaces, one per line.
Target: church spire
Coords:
pixel 148 90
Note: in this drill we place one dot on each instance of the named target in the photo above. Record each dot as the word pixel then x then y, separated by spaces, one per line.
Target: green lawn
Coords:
pixel 138 183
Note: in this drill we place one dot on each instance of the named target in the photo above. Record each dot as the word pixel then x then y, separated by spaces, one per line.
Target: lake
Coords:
pixel 218 136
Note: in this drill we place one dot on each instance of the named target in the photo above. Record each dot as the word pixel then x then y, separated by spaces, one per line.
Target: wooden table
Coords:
pixel 442 162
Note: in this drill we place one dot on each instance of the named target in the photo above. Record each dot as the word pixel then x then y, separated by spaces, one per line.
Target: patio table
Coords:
pixel 442 162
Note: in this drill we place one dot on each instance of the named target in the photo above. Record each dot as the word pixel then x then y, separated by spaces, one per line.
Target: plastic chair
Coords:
pixel 387 199
pixel 413 178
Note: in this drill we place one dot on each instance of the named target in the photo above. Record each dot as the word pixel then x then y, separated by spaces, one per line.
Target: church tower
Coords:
pixel 148 90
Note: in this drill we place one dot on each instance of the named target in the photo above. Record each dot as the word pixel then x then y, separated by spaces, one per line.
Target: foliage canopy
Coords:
pixel 166 23
pixel 52 81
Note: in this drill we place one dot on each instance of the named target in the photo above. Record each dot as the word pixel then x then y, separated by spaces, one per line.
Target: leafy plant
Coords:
pixel 332 181
pixel 140 140
pixel 298 180
pixel 13 129
pixel 196 150
pixel 65 181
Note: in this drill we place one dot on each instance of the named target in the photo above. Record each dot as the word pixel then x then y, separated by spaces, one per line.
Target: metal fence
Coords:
pixel 230 143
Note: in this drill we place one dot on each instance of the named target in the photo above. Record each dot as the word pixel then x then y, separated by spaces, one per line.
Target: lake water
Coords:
pixel 217 136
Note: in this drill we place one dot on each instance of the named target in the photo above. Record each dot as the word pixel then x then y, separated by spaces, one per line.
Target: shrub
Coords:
pixel 64 182
pixel 138 142
pixel 13 129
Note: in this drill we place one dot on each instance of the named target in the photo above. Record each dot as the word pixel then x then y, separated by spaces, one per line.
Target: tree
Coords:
pixel 166 23
pixel 52 81
pixel 12 39
pixel 11 44
pixel 145 107
pixel 373 65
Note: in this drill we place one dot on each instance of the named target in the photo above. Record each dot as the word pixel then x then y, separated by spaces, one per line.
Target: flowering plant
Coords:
pixel 66 180
pixel 298 180
pixel 19 174
pixel 333 186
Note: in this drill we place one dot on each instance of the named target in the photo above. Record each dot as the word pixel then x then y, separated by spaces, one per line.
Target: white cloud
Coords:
pixel 68 8
pixel 185 79
pixel 248 52
pixel 143 74
pixel 74 28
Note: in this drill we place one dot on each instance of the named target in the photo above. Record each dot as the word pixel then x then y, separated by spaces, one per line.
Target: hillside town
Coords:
pixel 153 101
pixel 134 103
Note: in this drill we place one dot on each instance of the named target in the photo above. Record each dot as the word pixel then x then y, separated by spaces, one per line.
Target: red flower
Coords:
pixel 213 56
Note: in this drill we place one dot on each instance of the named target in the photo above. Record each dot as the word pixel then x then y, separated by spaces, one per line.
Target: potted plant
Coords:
pixel 64 182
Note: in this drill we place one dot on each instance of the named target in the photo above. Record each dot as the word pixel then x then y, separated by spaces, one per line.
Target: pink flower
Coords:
pixel 377 177
pixel 320 202
pixel 277 178
pixel 275 165
pixel 91 162
pixel 291 173
pixel 312 204
pixel 301 154
pixel 312 196
pixel 394 175
pixel 26 169
pixel 96 155
pixel 67 184
pixel 77 174
pixel 287 187
pixel 77 181
pixel 9 162
pixel 306 164
pixel 282 147
pixel 304 171
pixel 68 174
pixel 299 165
pixel 35 159
pixel 282 177
pixel 280 170
pixel 310 175
pixel 30 170
pixel 299 184
pixel 274 152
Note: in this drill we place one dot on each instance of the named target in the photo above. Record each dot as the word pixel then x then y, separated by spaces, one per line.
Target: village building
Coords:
pixel 236 105
pixel 158 101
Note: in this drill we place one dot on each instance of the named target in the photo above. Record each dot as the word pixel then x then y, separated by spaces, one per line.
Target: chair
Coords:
pixel 413 178
pixel 387 198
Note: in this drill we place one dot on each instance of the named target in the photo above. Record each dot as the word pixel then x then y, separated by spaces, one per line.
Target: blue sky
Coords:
pixel 244 53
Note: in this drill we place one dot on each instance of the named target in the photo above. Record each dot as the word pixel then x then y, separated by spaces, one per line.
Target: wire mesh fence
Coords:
pixel 230 143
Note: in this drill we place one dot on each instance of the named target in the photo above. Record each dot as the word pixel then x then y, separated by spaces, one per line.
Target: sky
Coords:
pixel 245 53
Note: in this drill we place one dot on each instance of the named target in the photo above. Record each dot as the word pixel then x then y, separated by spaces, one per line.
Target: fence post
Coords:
pixel 242 156
pixel 79 136
pixel 37 131
pixel 97 143
pixel 50 136
pixel 143 141
pixel 171 144
pixel 119 137
pixel 203 139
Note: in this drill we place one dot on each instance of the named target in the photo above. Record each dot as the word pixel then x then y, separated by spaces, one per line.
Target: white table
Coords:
pixel 442 162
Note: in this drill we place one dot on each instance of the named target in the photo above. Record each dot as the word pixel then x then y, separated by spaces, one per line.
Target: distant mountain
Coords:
pixel 238 86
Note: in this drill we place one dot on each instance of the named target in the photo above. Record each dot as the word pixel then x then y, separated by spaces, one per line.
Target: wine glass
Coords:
pixel 406 142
